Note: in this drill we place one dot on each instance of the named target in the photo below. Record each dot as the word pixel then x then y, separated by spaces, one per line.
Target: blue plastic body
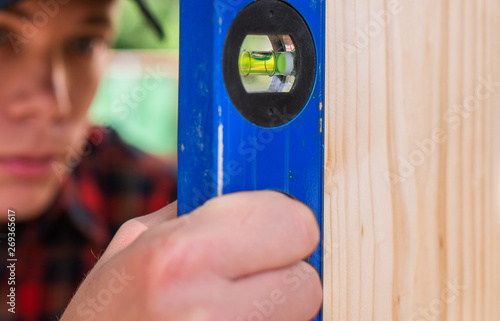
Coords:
pixel 220 151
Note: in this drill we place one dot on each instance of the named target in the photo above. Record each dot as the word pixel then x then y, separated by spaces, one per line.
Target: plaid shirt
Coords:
pixel 54 252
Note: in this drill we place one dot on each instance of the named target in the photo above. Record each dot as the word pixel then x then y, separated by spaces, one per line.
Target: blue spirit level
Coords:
pixel 251 99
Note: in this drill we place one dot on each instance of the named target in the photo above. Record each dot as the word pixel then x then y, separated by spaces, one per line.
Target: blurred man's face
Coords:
pixel 52 53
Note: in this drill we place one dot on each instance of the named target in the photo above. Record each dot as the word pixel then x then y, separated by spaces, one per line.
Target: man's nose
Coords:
pixel 43 90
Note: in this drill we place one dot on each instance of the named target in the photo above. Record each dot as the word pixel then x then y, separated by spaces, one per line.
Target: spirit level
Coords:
pixel 251 96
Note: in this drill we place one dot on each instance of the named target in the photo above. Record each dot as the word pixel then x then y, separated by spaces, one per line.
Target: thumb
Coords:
pixel 133 228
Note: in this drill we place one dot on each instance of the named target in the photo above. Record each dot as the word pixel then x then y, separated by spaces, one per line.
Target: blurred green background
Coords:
pixel 138 95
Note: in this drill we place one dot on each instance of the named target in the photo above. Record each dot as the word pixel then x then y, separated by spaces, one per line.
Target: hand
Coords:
pixel 236 258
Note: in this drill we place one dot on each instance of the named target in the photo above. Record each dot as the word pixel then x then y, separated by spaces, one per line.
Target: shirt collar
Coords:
pixel 88 218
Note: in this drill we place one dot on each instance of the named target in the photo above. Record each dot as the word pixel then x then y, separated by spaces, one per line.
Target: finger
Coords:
pixel 293 294
pixel 133 228
pixel 244 233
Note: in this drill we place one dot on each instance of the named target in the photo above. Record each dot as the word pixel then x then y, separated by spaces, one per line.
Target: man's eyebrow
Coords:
pixel 93 19
pixel 19 13
pixel 99 20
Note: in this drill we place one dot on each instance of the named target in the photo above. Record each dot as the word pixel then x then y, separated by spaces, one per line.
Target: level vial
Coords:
pixel 268 63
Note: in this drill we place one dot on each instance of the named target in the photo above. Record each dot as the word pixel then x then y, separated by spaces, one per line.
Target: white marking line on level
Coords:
pixel 220 164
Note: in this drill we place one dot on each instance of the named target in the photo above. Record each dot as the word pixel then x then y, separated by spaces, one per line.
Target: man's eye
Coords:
pixel 85 45
pixel 3 36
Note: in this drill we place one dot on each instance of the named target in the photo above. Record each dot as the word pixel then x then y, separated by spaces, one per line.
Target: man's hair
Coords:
pixel 142 6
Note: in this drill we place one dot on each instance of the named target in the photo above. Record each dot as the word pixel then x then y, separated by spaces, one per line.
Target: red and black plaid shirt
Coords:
pixel 116 182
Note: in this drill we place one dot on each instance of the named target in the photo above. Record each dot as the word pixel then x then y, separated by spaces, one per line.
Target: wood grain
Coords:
pixel 412 219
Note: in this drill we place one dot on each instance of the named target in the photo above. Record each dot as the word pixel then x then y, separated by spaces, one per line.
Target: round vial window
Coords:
pixel 269 63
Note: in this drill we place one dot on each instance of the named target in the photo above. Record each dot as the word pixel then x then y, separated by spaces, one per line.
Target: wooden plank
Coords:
pixel 412 174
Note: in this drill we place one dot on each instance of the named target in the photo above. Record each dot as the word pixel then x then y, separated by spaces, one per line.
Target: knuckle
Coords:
pixel 175 257
pixel 183 250
pixel 171 265
pixel 128 232
pixel 131 226
pixel 210 313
